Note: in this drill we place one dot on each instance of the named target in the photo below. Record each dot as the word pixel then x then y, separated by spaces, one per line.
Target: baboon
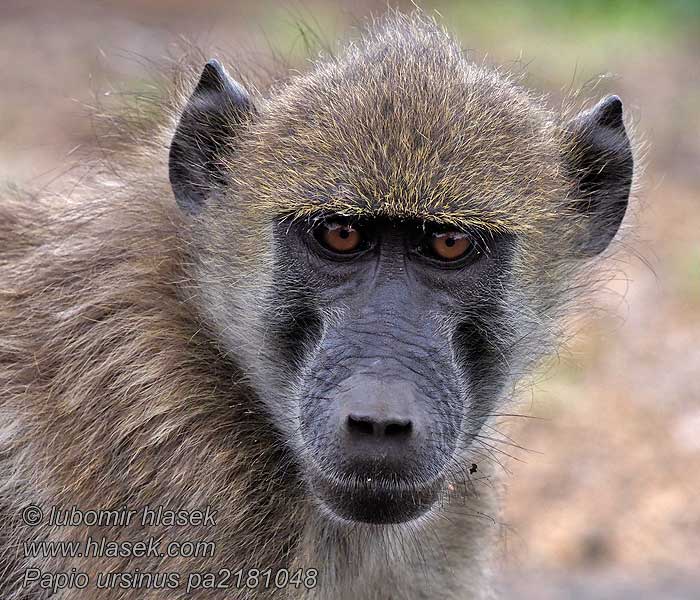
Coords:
pixel 304 317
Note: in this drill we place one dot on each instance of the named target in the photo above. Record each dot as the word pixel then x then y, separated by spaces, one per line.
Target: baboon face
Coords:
pixel 366 254
pixel 384 344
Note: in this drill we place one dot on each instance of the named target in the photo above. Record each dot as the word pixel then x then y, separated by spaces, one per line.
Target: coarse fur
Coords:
pixel 135 337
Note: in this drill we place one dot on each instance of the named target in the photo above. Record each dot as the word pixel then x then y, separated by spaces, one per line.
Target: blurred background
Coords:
pixel 604 482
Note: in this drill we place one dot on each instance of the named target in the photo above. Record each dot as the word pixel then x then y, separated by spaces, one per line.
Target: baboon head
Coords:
pixel 382 248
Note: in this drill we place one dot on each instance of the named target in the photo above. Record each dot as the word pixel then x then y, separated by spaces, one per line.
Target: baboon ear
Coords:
pixel 601 163
pixel 207 126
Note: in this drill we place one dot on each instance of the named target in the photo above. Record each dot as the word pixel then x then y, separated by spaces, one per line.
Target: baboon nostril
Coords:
pixel 369 425
pixel 398 429
pixel 360 425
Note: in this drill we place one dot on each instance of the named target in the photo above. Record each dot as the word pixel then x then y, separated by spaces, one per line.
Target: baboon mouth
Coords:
pixel 375 502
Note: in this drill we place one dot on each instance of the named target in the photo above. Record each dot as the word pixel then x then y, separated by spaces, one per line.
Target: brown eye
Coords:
pixel 450 245
pixel 341 238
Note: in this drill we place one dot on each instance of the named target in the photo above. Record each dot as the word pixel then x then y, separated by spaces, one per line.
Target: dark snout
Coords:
pixel 379 426
pixel 380 462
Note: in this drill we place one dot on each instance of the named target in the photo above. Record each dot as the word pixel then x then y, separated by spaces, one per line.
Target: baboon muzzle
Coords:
pixel 383 458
